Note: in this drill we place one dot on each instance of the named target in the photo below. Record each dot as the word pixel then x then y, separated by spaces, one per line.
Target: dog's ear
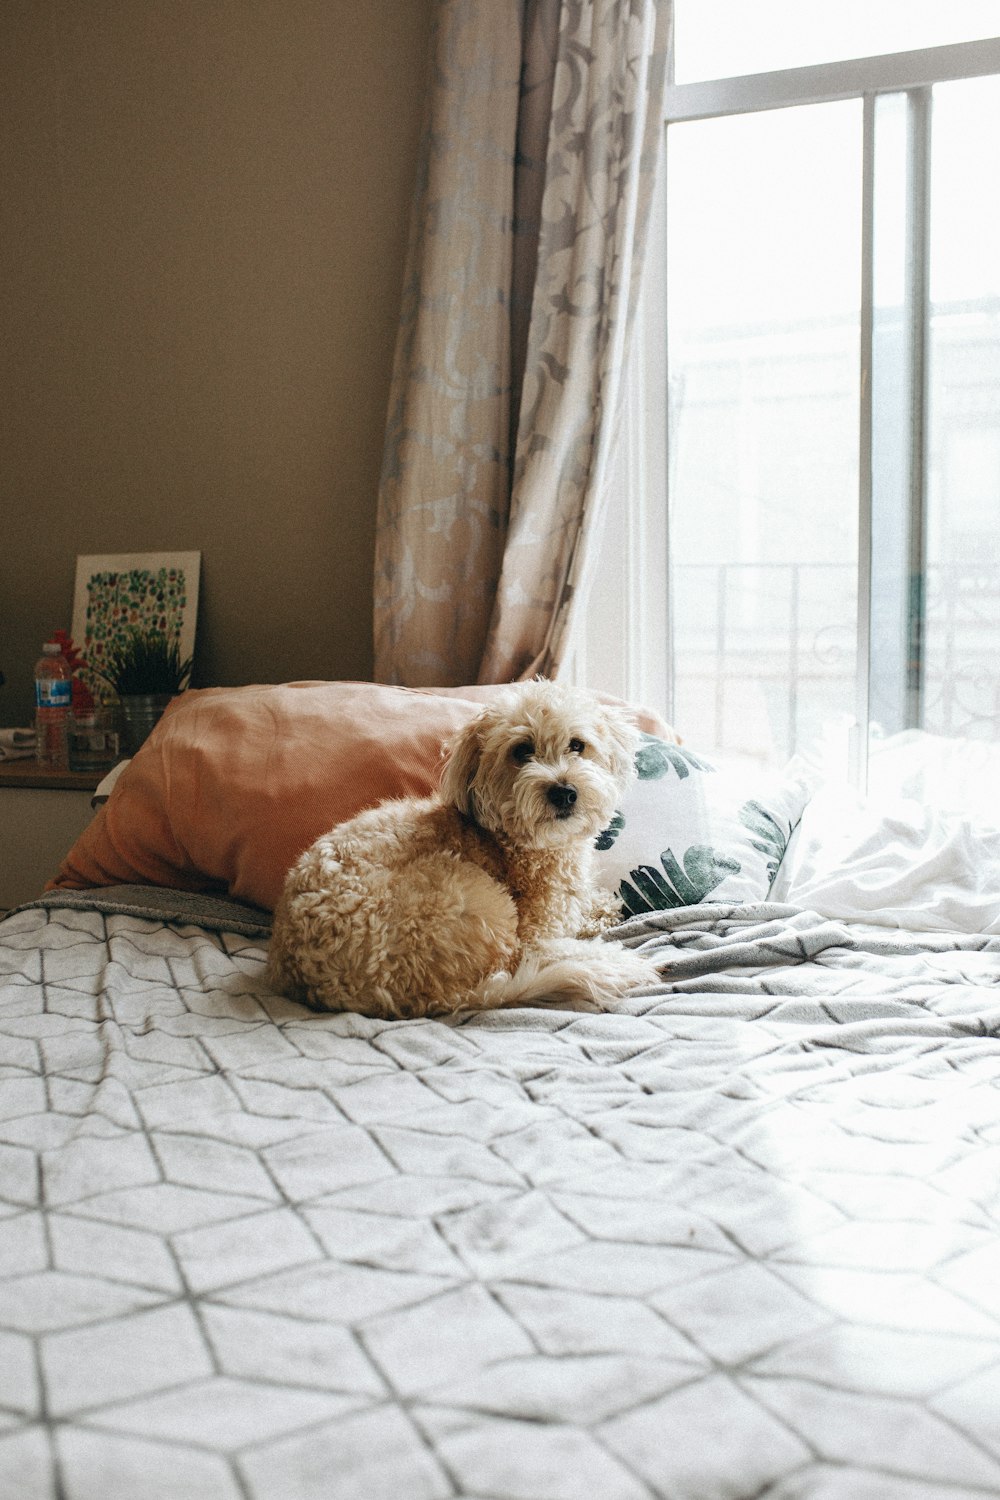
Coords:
pixel 619 739
pixel 461 764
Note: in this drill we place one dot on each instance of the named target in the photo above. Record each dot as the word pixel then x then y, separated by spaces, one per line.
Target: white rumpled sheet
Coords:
pixel 921 850
pixel 737 1239
pixel 894 862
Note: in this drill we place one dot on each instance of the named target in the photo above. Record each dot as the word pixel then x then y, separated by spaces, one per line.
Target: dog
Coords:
pixel 480 895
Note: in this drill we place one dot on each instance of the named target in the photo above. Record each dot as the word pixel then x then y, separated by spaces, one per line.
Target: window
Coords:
pixel 827 269
pixel 763 319
pixel 721 38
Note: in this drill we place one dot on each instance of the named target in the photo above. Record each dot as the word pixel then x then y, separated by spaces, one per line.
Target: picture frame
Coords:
pixel 145 590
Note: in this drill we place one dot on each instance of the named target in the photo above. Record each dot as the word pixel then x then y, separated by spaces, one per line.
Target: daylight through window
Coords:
pixel 832 259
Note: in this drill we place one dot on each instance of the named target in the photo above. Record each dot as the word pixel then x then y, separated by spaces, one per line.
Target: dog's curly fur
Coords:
pixel 481 895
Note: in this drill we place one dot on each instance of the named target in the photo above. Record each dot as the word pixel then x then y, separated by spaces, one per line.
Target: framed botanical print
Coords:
pixel 148 591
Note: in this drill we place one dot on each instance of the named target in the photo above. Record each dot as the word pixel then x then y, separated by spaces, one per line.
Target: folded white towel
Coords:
pixel 17 744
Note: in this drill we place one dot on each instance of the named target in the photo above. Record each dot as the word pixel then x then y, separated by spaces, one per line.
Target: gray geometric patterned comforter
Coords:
pixel 738 1239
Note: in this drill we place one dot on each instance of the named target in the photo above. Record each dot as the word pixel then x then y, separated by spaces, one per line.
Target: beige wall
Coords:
pixel 202 226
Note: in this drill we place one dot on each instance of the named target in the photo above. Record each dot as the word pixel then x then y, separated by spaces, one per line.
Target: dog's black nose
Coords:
pixel 561 796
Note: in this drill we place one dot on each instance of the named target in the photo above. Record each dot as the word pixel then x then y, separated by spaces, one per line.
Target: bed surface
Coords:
pixel 737 1239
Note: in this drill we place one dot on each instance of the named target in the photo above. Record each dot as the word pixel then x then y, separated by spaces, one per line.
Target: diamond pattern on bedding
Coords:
pixel 738 1239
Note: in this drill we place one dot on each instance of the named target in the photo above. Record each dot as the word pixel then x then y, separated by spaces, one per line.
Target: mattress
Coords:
pixel 736 1239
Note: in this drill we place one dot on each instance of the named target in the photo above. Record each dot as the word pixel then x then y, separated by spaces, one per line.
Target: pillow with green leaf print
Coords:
pixel 689 832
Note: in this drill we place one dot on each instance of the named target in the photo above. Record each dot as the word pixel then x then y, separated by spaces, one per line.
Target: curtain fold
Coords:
pixel 537 163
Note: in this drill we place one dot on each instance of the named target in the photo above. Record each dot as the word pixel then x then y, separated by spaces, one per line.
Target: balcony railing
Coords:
pixel 765 655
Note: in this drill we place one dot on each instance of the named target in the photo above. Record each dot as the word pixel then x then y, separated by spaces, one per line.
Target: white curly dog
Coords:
pixel 481 895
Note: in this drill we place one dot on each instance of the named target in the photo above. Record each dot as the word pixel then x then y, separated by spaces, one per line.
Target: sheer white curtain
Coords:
pixel 537 164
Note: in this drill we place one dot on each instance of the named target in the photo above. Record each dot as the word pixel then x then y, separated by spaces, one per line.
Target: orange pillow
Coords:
pixel 234 783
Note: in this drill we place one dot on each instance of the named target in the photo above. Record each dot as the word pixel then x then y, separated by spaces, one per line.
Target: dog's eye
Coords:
pixel 577 747
pixel 523 752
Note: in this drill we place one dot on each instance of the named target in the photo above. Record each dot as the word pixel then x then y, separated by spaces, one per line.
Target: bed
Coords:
pixel 736 1239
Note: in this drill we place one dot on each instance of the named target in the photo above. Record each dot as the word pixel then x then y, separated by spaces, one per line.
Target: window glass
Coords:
pixel 722 38
pixel 961 677
pixel 764 223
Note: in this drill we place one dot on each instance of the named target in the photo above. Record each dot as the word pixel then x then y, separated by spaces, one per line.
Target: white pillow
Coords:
pixel 691 832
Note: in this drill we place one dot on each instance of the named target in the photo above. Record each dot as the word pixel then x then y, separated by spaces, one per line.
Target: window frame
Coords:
pixel 822 83
pixel 912 74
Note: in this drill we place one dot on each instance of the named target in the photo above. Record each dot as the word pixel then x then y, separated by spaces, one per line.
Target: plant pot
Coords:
pixel 140 714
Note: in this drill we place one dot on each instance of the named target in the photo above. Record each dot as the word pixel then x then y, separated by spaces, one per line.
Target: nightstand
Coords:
pixel 42 813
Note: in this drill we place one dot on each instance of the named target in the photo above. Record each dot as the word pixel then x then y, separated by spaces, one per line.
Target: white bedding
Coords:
pixel 735 1239
pixel 921 851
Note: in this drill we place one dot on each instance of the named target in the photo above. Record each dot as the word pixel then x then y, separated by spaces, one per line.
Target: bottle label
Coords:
pixel 53 692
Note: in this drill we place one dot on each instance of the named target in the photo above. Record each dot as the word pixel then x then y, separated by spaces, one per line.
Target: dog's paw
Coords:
pixel 576 971
pixel 604 911
pixel 624 969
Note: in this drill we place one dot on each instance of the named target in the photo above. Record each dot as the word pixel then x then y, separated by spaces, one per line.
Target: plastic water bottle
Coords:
pixel 53 700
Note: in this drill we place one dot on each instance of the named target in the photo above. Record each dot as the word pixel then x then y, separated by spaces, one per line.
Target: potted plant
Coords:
pixel 146 671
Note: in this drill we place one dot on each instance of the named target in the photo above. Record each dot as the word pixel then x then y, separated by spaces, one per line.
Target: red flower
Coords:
pixel 71 652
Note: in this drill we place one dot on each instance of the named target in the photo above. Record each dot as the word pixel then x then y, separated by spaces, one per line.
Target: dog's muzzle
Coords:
pixel 563 797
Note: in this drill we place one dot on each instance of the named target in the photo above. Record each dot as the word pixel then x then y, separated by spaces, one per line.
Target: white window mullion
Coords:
pixel 919 302
pixel 858 752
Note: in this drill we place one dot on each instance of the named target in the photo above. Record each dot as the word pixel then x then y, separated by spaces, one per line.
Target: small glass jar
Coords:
pixel 94 740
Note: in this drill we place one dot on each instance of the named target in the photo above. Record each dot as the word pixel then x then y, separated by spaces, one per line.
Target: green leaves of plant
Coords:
pixel 146 662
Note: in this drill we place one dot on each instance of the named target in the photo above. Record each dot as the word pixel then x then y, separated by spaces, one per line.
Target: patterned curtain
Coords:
pixel 537 164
